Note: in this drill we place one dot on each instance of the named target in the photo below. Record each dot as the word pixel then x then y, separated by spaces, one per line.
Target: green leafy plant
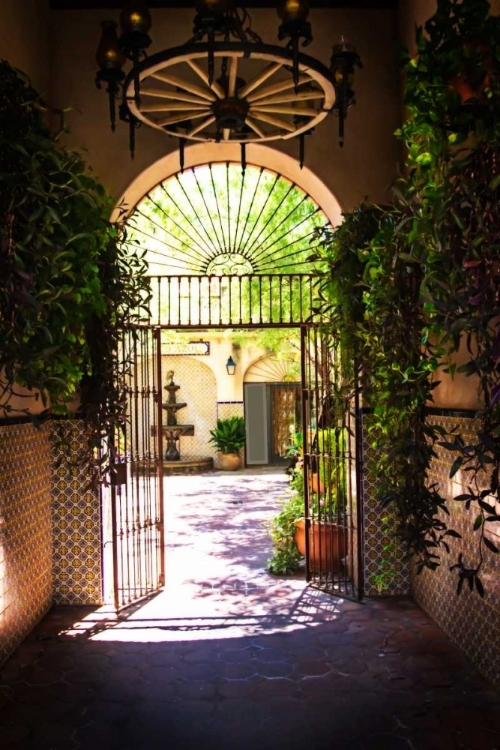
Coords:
pixel 325 504
pixel 286 557
pixel 70 283
pixel 229 435
pixel 409 282
pixel 386 572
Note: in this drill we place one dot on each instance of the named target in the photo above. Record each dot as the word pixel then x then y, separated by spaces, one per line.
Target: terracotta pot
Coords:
pixel 327 544
pixel 465 90
pixel 229 461
pixel 316 484
pixel 477 62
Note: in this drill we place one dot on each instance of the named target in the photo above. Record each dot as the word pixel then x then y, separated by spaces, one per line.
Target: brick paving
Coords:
pixel 229 657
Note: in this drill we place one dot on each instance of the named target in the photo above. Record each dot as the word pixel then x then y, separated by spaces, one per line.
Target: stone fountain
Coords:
pixel 172 430
pixel 171 460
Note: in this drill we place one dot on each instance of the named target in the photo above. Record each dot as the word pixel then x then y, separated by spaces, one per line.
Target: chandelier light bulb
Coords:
pixel 293 10
pixel 213 6
pixel 108 54
pixel 135 16
pixel 225 84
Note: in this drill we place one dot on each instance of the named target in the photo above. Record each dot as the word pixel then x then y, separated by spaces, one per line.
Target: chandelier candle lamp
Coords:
pixel 224 84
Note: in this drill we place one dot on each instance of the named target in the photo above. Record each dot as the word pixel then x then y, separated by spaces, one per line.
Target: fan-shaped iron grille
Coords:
pixel 218 220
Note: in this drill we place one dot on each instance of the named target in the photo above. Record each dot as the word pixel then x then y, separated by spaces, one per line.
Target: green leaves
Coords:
pixel 68 283
pixel 229 435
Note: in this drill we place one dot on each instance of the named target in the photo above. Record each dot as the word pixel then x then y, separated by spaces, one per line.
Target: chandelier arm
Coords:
pixel 178 96
pixel 276 88
pixel 285 98
pixel 204 93
pixel 260 79
pixel 113 93
pixel 243 158
pixel 233 75
pixel 276 121
pixel 191 115
pixel 253 125
pixel 302 150
pixel 216 88
pixel 182 147
pixel 276 109
pixel 200 126
pixel 186 107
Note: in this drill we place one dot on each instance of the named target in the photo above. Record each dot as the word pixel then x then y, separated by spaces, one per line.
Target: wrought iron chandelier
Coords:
pixel 224 84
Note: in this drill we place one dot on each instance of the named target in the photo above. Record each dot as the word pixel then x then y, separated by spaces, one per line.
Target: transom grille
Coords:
pixel 217 220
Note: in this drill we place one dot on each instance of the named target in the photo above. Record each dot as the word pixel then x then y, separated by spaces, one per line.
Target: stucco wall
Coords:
pixel 24 39
pixel 363 168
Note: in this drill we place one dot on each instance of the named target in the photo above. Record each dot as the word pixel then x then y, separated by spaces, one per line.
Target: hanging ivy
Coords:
pixel 410 282
pixel 69 285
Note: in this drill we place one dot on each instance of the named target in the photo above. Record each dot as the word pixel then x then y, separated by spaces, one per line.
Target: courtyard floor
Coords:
pixel 230 658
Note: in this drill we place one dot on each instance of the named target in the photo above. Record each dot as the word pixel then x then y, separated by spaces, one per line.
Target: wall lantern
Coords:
pixel 230 366
pixel 224 84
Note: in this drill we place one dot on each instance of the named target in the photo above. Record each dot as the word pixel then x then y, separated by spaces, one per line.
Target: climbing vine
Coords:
pixel 411 282
pixel 69 282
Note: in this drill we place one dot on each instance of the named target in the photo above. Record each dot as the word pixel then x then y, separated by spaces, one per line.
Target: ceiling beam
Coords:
pixel 115 4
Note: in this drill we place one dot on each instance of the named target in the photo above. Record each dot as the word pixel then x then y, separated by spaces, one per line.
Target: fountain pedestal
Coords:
pixel 171 461
pixel 173 431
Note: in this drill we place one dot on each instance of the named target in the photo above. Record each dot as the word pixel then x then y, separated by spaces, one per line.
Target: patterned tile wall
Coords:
pixel 386 573
pixel 228 409
pixel 25 532
pixel 76 520
pixel 470 621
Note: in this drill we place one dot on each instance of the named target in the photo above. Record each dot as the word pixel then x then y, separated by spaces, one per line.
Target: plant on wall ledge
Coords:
pixel 69 281
pixel 409 282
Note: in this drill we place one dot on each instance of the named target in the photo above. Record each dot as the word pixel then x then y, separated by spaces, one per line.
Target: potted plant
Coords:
pixel 327 537
pixel 229 437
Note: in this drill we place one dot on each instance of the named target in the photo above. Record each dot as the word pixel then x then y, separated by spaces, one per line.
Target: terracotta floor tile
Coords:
pixel 231 658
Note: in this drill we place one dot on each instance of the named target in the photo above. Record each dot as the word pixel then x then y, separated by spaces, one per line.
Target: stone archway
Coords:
pixel 257 155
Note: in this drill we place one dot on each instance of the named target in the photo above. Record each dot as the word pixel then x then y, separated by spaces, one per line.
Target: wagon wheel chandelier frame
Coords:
pixel 193 92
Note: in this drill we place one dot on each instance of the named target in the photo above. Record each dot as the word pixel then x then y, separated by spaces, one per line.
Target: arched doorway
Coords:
pixel 272 383
pixel 233 250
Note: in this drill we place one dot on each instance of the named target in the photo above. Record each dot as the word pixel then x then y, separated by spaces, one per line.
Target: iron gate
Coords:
pixel 332 486
pixel 137 495
pixel 330 431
